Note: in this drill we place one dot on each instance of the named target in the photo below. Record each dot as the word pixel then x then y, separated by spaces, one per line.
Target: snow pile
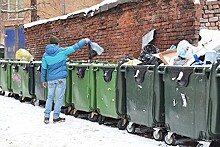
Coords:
pixel 198 1
pixel 21 125
pixel 93 8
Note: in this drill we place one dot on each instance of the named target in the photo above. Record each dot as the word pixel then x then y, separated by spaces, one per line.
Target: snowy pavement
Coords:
pixel 21 125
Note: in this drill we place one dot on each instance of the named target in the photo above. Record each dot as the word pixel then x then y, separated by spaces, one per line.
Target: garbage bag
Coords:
pixel 24 55
pixel 186 50
pixel 146 55
pixel 94 50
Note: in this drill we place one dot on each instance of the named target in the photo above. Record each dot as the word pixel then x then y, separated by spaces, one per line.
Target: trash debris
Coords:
pixel 133 62
pixel 166 56
pixel 94 49
pixel 24 55
pixel 172 47
pixel 186 50
pixel 146 39
pixel 211 56
pixel 184 54
pixel 146 55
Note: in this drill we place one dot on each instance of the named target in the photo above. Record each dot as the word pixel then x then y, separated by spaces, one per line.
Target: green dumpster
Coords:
pixel 68 94
pixel 83 88
pixel 5 78
pixel 144 98
pixel 67 106
pixel 16 77
pixel 121 96
pixel 25 79
pixel 213 128
pixel 106 93
pixel 187 101
pixel 35 87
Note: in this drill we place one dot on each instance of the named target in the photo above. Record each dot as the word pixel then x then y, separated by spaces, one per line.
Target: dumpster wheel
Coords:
pixel 2 93
pixel 122 124
pixel 101 119
pixel 131 127
pixel 74 112
pixel 170 138
pixel 158 135
pixel 22 99
pixel 93 116
pixel 10 94
pixel 69 108
pixel 35 102
pixel 16 96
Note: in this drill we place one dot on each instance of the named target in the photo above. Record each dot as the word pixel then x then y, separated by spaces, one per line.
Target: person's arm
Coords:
pixel 43 72
pixel 76 46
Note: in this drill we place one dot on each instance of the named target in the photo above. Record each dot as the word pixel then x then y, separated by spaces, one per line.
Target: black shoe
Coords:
pixel 60 119
pixel 46 120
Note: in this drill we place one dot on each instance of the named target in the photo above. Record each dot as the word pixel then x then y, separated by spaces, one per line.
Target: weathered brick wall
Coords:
pixel 211 15
pixel 120 29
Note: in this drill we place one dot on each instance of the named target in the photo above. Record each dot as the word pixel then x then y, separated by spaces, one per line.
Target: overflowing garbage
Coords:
pixel 176 88
pixel 184 54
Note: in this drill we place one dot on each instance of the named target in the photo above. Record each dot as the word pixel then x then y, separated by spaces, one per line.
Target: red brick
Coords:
pixel 119 31
pixel 213 19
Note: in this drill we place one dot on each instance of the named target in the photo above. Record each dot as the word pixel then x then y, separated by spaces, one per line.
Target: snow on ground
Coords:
pixel 21 125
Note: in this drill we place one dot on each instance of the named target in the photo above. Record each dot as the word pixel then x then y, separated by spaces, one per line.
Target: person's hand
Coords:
pixel 87 40
pixel 44 84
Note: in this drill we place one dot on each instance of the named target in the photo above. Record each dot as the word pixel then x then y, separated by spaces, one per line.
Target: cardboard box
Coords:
pixel 166 56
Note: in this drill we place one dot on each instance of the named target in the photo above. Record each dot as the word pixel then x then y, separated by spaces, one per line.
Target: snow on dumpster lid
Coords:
pixel 93 8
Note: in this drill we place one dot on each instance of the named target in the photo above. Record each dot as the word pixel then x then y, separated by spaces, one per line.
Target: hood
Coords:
pixel 52 49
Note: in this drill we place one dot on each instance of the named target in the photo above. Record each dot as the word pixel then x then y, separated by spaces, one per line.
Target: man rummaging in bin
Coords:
pixel 54 73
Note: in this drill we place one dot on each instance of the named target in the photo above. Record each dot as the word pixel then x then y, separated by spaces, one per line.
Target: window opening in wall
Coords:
pixel 14 7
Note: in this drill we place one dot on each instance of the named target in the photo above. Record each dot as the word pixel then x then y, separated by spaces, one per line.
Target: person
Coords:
pixel 54 73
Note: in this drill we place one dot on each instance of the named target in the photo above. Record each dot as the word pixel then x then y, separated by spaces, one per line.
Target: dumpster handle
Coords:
pixel 14 67
pixel 38 68
pixel 217 71
pixel 122 68
pixel 25 68
pixel 95 69
pixel 3 65
pixel 31 64
pixel 161 70
pixel 70 68
pixel 150 68
pixel 197 71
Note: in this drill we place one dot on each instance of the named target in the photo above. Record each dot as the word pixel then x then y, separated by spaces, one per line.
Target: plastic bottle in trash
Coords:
pixel 98 49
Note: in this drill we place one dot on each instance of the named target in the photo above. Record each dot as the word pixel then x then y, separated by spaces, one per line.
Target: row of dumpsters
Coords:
pixel 170 102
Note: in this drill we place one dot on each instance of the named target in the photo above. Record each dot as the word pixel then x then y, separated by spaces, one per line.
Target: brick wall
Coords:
pixel 211 15
pixel 119 29
pixel 55 7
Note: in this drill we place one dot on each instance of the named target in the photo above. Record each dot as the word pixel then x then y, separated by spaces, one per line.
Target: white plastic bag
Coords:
pixel 24 55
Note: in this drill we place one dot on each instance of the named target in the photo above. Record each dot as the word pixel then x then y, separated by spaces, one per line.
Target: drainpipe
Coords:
pixel 63 7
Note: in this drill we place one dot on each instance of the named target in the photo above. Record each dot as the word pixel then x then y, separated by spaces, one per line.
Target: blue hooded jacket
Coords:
pixel 54 61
